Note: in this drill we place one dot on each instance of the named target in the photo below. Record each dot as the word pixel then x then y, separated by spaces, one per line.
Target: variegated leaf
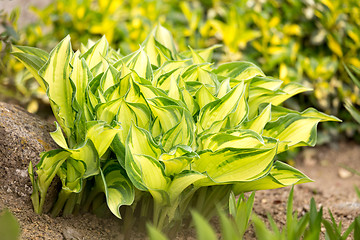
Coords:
pixel 56 73
pixel 281 175
pixel 234 165
pixel 238 71
pixel 220 109
pixel 118 188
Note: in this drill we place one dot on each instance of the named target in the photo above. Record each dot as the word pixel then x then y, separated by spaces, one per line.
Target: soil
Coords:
pixel 334 170
pixel 333 188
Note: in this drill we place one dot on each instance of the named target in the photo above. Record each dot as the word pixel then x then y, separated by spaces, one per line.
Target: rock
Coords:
pixel 343 173
pixel 23 136
pixel 70 233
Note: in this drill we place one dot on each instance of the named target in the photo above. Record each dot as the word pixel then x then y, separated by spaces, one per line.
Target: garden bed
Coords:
pixel 333 189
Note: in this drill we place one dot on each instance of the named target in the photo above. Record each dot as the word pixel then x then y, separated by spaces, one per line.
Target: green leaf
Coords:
pixel 109 78
pixel 356 228
pixel 220 109
pixel 166 111
pixel 147 174
pixel 174 90
pixel 293 130
pixel 43 55
pixel 181 134
pixel 280 175
pixel 241 211
pixel 71 175
pixel 201 73
pixel 148 146
pixel 181 182
pixel 58 137
pixel 117 187
pixel 234 139
pixel 353 111
pixel 315 218
pixel 47 168
pixel 257 124
pixel 206 53
pixel 177 159
pixel 261 231
pixel 101 135
pixel 140 63
pixel 142 166
pixel 238 71
pixel 9 226
pixel 124 113
pixel 89 156
pixel 35 192
pixel 352 76
pixel 224 88
pixel 234 165
pixel 196 58
pixel 93 56
pixel 277 112
pixel 258 95
pixel 203 96
pixel 81 76
pixel 56 73
pixel 266 82
pixel 189 101
pixel 33 59
pixel 228 229
pixel 155 234
pixel 203 229
pixel 163 36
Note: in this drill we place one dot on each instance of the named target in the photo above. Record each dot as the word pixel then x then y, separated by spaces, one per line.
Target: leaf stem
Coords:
pixel 70 204
pixel 62 198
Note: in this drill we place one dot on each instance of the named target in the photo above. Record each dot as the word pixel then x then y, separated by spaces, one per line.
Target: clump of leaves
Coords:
pixel 335 231
pixel 162 131
pixel 306 227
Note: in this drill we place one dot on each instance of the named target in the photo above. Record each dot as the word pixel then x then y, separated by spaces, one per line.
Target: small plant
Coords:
pixel 240 212
pixel 334 230
pixel 306 227
pixel 162 131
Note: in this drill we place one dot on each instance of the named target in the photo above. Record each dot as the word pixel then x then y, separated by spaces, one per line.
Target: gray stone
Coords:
pixel 23 136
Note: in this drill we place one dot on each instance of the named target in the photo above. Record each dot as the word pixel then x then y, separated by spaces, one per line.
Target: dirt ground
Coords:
pixel 333 186
pixel 333 189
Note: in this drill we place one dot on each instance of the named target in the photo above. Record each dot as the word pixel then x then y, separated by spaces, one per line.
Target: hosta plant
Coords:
pixel 162 131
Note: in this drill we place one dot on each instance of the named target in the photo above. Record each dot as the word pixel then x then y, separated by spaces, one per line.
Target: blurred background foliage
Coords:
pixel 307 41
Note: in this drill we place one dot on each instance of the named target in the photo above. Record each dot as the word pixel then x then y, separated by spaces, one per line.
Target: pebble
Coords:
pixel 343 173
pixel 71 233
